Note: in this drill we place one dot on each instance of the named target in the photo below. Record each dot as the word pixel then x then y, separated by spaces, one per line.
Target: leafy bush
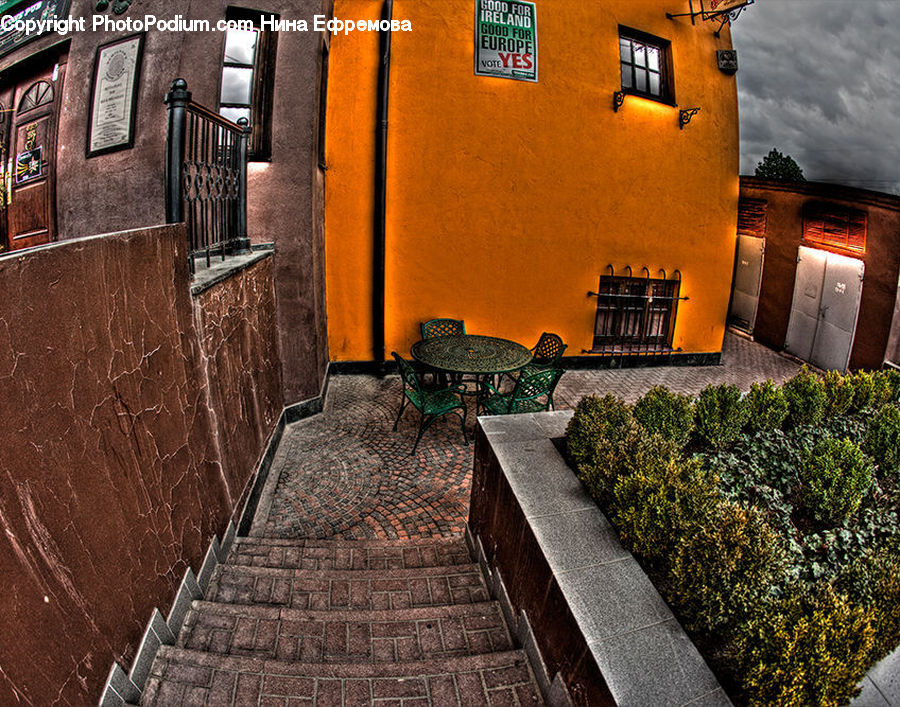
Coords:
pixel 835 477
pixel 885 575
pixel 723 570
pixel 596 422
pixel 766 407
pixel 656 505
pixel 892 377
pixel 883 439
pixel 838 393
pixel 720 414
pixel 873 581
pixel 884 389
pixel 863 390
pixel 809 647
pixel 669 414
pixel 805 395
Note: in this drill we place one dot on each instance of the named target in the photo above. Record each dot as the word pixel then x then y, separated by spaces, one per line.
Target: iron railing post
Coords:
pixel 242 242
pixel 177 100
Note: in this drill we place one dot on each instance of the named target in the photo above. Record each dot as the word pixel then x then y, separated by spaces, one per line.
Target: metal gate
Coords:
pixel 827 292
pixel 747 279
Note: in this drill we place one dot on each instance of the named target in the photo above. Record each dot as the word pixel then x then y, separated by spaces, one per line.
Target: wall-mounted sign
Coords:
pixel 38 10
pixel 114 95
pixel 29 165
pixel 710 7
pixel 506 39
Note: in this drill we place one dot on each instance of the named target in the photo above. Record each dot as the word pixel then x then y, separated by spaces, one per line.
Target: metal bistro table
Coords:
pixel 480 356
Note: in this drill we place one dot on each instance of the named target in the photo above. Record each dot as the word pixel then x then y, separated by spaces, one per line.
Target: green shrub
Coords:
pixel 805 395
pixel 863 390
pixel 670 414
pixel 720 414
pixel 883 389
pixel 655 506
pixel 885 575
pixel 873 581
pixel 882 441
pixel 766 407
pixel 835 476
pixel 892 376
pixel 808 647
pixel 838 394
pixel 724 569
pixel 596 421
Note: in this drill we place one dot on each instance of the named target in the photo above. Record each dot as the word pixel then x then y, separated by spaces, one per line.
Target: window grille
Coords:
pixel 635 315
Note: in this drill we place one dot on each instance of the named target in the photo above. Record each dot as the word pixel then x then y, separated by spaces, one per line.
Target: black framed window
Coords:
pixel 646 65
pixel 248 72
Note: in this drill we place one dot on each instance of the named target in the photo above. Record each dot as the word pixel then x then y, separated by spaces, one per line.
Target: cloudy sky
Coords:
pixel 820 80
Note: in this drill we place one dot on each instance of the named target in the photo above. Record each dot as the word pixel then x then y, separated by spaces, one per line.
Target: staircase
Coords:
pixel 319 622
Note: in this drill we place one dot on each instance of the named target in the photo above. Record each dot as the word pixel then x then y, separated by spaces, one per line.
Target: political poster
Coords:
pixel 506 39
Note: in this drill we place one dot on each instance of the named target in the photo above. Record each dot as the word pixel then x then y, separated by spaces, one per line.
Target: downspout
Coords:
pixel 381 135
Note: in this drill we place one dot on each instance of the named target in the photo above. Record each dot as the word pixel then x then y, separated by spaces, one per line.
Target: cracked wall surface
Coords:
pixel 110 478
pixel 239 338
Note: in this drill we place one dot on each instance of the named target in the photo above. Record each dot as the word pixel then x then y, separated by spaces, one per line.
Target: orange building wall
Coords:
pixel 507 199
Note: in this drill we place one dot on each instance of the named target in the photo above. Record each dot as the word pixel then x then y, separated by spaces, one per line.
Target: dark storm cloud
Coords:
pixel 820 80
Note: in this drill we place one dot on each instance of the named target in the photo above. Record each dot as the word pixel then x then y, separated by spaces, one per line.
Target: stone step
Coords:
pixel 345 636
pixel 184 677
pixel 326 590
pixel 350 554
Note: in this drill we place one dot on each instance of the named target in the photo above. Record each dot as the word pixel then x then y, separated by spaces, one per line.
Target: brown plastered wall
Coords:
pixel 125 189
pixel 111 483
pixel 784 231
pixel 238 337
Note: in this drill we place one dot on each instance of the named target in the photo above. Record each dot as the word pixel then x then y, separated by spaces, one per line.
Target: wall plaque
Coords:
pixel 114 95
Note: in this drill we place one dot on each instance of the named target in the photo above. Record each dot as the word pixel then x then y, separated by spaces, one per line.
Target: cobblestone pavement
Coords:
pixel 345 473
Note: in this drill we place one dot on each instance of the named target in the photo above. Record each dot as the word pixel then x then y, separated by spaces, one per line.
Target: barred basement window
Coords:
pixel 635 314
pixel 248 73
pixel 835 225
pixel 646 65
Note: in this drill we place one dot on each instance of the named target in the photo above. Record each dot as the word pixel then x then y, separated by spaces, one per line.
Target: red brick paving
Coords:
pixel 346 474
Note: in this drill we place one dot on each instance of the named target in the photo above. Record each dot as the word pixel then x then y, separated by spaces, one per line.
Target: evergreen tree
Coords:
pixel 778 166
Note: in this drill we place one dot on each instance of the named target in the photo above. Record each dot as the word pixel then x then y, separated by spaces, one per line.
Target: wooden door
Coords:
pixel 29 138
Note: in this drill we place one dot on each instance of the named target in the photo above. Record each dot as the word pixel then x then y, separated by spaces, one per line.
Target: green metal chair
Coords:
pixel 443 327
pixel 533 393
pixel 546 353
pixel 430 403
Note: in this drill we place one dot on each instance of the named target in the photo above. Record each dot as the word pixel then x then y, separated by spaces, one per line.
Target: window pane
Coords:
pixel 626 76
pixel 240 46
pixel 640 79
pixel 237 85
pixel 653 58
pixel 235 114
pixel 640 55
pixel 625 50
pixel 654 84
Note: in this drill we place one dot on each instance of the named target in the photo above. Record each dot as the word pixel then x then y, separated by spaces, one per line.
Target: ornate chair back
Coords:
pixel 443 327
pixel 533 386
pixel 548 350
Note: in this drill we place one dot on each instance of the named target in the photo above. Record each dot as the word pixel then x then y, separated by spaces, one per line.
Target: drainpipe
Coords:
pixel 381 135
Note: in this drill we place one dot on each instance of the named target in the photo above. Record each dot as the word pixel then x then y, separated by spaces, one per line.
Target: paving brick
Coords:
pixel 345 473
